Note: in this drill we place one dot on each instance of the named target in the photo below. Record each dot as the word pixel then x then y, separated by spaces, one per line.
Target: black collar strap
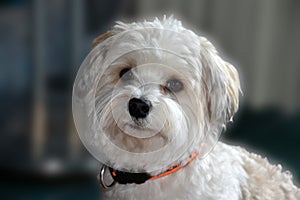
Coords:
pixel 127 177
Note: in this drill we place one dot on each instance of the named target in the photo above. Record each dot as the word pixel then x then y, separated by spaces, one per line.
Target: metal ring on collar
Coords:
pixel 102 183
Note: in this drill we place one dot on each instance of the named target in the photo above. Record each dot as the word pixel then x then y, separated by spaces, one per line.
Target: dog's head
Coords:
pixel 150 94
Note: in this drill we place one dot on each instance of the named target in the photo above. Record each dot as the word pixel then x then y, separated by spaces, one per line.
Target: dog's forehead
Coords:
pixel 156 64
pixel 179 50
pixel 184 43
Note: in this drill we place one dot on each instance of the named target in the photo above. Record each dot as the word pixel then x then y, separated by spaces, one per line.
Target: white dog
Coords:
pixel 150 102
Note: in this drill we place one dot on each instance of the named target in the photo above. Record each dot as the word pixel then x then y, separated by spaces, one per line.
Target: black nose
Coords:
pixel 139 108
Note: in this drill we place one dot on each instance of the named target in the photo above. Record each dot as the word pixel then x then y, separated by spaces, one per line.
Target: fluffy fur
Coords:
pixel 178 124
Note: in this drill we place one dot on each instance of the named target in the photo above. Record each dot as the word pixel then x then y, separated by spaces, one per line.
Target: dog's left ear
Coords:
pixel 101 38
pixel 221 85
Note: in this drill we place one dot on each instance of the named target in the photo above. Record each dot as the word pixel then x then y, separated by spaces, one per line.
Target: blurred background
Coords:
pixel 43 42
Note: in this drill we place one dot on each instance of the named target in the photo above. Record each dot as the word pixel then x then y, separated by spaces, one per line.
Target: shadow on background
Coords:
pixel 42 44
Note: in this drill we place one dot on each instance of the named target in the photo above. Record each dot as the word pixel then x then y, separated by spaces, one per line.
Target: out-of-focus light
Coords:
pixel 92 164
pixel 53 166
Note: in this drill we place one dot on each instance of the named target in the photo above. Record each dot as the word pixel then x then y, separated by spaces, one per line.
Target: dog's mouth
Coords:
pixel 136 139
pixel 139 129
pixel 137 123
pixel 139 126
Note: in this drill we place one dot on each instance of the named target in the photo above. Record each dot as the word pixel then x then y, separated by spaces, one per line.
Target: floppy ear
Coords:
pixel 221 85
pixel 101 38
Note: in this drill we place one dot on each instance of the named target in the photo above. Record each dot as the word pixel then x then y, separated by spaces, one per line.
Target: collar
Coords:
pixel 139 178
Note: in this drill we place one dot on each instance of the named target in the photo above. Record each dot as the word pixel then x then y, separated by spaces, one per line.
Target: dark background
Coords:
pixel 43 42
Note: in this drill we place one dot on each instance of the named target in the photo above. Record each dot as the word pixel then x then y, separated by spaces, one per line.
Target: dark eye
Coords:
pixel 174 85
pixel 126 74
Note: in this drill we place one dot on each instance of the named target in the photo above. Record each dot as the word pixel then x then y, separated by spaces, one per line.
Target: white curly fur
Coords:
pixel 196 116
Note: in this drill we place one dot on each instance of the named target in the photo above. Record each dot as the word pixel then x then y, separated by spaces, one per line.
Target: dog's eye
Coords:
pixel 126 74
pixel 174 85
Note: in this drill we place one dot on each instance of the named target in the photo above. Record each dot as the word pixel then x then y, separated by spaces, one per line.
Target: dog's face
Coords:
pixel 150 94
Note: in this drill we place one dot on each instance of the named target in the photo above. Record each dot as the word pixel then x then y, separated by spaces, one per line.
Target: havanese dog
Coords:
pixel 150 102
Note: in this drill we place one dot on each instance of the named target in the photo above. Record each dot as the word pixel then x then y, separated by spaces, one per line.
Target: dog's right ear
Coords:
pixel 221 84
pixel 101 38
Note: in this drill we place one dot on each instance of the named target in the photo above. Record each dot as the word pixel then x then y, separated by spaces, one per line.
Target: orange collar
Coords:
pixel 139 178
